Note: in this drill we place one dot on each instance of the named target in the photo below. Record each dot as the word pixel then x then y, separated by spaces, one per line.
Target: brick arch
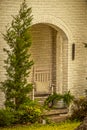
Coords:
pixel 56 23
pixel 59 55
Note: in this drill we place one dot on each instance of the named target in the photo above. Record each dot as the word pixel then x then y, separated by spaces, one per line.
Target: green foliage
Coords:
pixel 52 99
pixel 6 117
pixel 29 113
pixel 18 63
pixel 59 126
pixel 79 109
pixel 68 98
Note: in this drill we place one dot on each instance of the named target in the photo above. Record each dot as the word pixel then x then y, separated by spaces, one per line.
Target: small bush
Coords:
pixel 79 109
pixel 6 117
pixel 28 113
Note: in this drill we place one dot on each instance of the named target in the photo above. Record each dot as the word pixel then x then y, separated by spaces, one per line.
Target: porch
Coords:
pixel 49 51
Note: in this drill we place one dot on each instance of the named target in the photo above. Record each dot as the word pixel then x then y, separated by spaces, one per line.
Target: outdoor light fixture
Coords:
pixel 73 51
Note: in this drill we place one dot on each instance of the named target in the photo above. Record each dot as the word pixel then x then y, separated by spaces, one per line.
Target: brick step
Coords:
pixel 54 115
pixel 57 115
pixel 56 112
pixel 58 118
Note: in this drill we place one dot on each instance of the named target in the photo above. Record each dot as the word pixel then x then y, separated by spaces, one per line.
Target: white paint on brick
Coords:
pixel 68 15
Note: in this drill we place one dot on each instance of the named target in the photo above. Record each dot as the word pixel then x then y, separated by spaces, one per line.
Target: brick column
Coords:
pixel 59 63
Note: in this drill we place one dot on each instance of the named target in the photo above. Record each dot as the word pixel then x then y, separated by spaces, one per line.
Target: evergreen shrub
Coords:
pixel 6 117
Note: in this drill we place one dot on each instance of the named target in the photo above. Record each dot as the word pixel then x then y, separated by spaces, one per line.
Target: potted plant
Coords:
pixel 67 99
pixel 52 100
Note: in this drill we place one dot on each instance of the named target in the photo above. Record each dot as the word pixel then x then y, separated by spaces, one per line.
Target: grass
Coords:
pixel 62 126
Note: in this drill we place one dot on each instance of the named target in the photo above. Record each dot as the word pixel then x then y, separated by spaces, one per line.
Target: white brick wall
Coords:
pixel 68 15
pixel 42 46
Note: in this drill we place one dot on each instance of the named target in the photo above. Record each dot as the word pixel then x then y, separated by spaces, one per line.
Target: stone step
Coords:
pixel 56 112
pixel 57 115
pixel 58 118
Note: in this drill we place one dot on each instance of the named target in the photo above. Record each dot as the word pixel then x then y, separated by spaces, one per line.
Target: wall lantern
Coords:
pixel 73 51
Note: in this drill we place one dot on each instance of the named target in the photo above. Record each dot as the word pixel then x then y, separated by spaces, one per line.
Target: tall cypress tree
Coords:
pixel 18 63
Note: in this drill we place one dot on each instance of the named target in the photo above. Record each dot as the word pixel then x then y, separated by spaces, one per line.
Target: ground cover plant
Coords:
pixel 61 126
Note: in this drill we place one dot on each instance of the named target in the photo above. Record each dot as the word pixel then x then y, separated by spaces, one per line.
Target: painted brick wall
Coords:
pixel 42 46
pixel 73 14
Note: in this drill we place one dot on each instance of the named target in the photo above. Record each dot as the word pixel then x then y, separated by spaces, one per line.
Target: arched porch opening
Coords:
pixel 50 54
